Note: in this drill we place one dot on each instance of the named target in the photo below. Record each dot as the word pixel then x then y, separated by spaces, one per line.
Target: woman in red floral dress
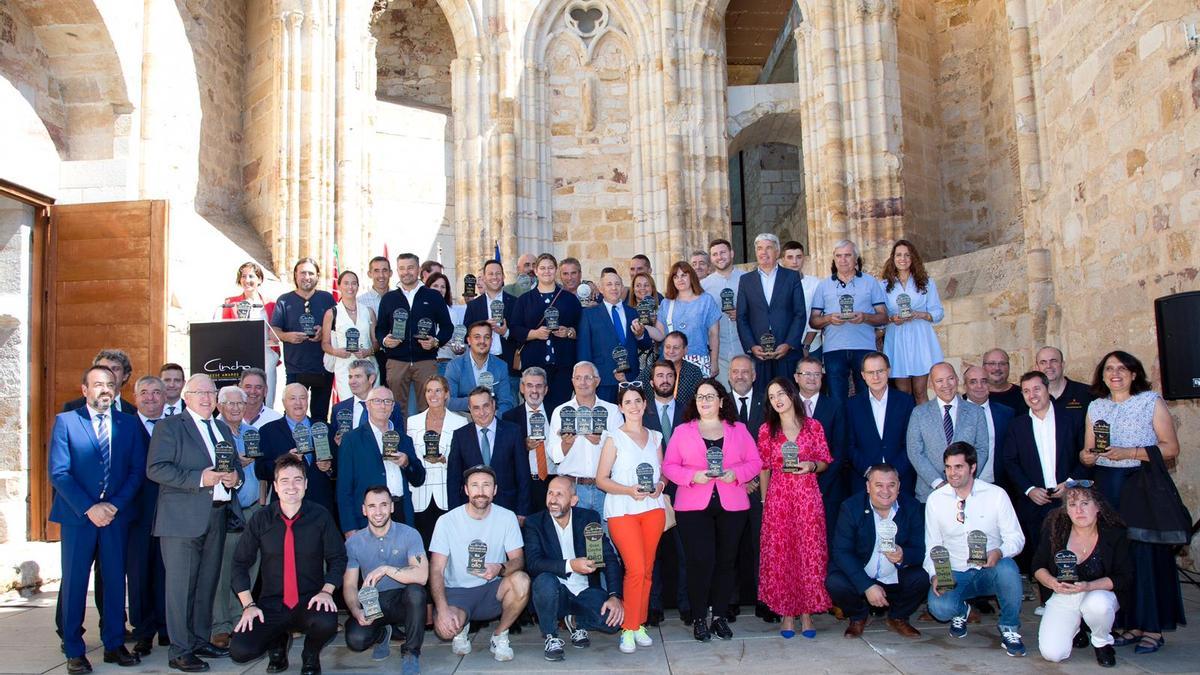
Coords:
pixel 792 564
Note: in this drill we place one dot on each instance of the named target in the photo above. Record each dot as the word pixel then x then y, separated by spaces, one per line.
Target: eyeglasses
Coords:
pixel 381 401
pixel 203 392
pixel 635 384
pixel 809 374
pixel 706 398
pixel 961 516
pixel 234 404
pixel 995 363
pixel 307 305
pixel 873 373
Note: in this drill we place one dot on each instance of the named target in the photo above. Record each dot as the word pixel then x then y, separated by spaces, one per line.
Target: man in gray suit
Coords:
pixel 939 422
pixel 194 501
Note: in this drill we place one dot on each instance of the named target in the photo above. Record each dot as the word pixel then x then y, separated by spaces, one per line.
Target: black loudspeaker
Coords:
pixel 1178 320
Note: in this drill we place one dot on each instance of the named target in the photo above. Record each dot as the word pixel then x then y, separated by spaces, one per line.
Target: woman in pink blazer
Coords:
pixel 711 457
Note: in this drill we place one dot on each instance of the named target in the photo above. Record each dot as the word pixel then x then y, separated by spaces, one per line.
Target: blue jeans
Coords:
pixel 590 497
pixel 839 366
pixel 1002 581
pixel 552 601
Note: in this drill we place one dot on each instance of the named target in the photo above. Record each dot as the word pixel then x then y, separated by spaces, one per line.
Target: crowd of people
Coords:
pixel 539 453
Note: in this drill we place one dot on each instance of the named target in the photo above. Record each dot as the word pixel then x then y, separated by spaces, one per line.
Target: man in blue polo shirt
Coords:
pixel 297 319
pixel 847 307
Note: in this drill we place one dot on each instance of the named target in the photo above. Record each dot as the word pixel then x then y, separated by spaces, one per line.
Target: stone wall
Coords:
pixel 258 168
pixel 916 53
pixel 26 65
pixel 16 223
pixel 774 189
pixel 414 53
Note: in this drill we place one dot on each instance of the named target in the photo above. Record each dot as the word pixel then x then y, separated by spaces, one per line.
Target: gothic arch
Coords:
pixel 773 122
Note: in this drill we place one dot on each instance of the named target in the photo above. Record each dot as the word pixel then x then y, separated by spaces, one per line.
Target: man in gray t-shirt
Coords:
pixel 390 558
pixel 476 566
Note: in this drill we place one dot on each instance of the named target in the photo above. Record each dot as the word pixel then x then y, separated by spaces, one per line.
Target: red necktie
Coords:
pixel 291 594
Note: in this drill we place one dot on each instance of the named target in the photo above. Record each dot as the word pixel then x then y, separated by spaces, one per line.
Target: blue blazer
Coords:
pixel 460 372
pixel 527 316
pixel 479 309
pixel 786 315
pixel 77 474
pixel 867 448
pixel 276 439
pixel 833 420
pixel 147 498
pixel 1002 416
pixel 854 540
pixel 360 466
pixel 397 417
pixel 544 555
pixel 598 339
pixel 510 461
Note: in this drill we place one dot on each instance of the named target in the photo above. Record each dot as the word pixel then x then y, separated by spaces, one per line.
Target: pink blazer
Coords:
pixel 686 455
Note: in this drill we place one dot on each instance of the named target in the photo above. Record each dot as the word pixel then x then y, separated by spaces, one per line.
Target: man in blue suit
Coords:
pixel 97 464
pixel 604 327
pixel 998 418
pixel 771 298
pixel 364 375
pixel 493 442
pixel 867 570
pixel 361 465
pixel 835 480
pixel 480 309
pixel 278 438
pixel 143 562
pixel 466 372
pixel 877 425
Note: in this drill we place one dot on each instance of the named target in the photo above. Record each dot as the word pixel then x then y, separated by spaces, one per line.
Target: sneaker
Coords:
pixel 553 651
pixel 500 647
pixel 642 638
pixel 958 626
pixel 1039 610
pixel 384 648
pixel 579 636
pixel 1011 641
pixel 628 642
pixel 721 629
pixel 411 665
pixel 700 630
pixel 462 642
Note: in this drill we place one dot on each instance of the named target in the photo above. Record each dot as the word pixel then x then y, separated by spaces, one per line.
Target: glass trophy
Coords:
pixel 225 455
pixel 977 543
pixel 458 339
pixel 1102 433
pixel 904 302
pixel 303 439
pixel 424 328
pixel 399 324
pixel 308 324
pixel 433 449
pixel 470 286
pixel 368 597
pixel 599 419
pixel 940 556
pixel 791 457
pixel 344 420
pixel 524 282
pixel 476 558
pixel 487 381
pixel 621 358
pixel 551 318
pixel 593 542
pixel 583 420
pixel 320 442
pixel 391 443
pixel 714 457
pixel 566 420
pixel 727 300
pixel 1066 566
pixel 584 293
pixel 252 441
pixel 243 309
pixel 846 306
pixel 887 531
pixel 352 340
pixel 767 342
pixel 496 310
pixel 645 477
pixel 537 426
pixel 647 310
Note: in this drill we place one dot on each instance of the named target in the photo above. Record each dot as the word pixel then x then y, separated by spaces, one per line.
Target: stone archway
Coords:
pixel 766 175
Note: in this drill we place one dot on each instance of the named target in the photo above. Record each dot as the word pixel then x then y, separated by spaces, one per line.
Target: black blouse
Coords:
pixel 1110 559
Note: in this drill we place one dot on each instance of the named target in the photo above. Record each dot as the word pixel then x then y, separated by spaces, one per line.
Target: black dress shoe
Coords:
pixel 311 664
pixel 685 616
pixel 700 631
pixel 731 613
pixel 1082 639
pixel 1106 656
pixel 211 651
pixel 277 658
pixel 164 641
pixel 143 646
pixel 79 665
pixel 721 629
pixel 654 618
pixel 121 657
pixel 188 663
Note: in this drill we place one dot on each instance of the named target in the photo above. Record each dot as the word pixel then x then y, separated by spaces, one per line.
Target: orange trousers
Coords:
pixel 636 538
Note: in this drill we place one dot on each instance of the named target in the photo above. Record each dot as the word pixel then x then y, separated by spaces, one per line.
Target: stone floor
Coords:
pixel 28 645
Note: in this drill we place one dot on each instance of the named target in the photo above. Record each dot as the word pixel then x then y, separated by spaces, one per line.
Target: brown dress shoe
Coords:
pixel 837 613
pixel 903 627
pixel 221 640
pixel 855 629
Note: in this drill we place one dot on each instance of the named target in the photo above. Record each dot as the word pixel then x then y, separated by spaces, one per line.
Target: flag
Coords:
pixel 337 297
pixel 497 250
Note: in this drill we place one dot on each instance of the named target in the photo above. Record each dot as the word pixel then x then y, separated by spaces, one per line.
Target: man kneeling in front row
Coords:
pixel 302 560
pixel 392 560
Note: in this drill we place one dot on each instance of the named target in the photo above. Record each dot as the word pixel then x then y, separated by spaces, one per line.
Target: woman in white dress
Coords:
pixel 429 500
pixel 348 333
pixel 913 307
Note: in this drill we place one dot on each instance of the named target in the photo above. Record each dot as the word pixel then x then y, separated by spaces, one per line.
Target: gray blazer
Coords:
pixel 927 440
pixel 177 458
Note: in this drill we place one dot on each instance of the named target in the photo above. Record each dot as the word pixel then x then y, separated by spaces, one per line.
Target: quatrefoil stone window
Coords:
pixel 587 18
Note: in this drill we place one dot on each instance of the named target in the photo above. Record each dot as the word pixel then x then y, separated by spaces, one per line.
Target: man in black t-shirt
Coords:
pixel 297 319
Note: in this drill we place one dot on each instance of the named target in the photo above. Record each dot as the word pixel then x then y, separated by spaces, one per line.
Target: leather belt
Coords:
pixel 583 481
pixel 220 505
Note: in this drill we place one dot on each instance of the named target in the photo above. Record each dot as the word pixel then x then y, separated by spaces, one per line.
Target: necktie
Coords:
pixel 211 436
pixel 539 455
pixel 363 407
pixel 618 324
pixel 948 424
pixel 291 593
pixel 808 407
pixel 486 447
pixel 743 414
pixel 105 455
pixel 170 410
pixel 153 422
pixel 665 419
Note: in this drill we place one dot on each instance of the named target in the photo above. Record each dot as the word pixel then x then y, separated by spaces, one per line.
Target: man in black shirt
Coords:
pixel 297 318
pixel 1000 390
pixel 302 562
pixel 411 360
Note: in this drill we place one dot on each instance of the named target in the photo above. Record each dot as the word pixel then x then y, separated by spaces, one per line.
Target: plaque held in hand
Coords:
pixel 551 316
pixel 252 441
pixel 433 442
pixel 791 457
pixel 727 300
pixel 566 420
pixel 977 543
pixel 487 381
pixel 846 306
pixel 458 339
pixel 344 420
pixel 647 310
pixel 368 597
pixel 1102 433
pixel 476 558
pixel 645 477
pixel 714 458
pixel 887 531
pixel 424 329
pixel 940 556
pixel 320 442
pixel 904 302
pixel 470 284
pixel 391 443
pixel 496 310
pixel 225 455
pixel 599 419
pixel 621 358
pixel 399 324
pixel 1066 566
pixel 583 420
pixel 308 324
pixel 767 342
pixel 593 542
pixel 537 426
pixel 303 438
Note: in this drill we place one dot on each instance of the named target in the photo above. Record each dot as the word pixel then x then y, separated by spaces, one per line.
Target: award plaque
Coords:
pixel 584 293
pixel 566 420
pixel 941 565
pixel 320 441
pixel 458 339
pixel 476 552
pixel 1101 432
pixel 399 324
pixel 727 300
pixel 433 450
pixel 1066 565
pixel 344 420
pixel 243 309
pixel 645 477
pixel 470 283
pixel 647 311
pixel 887 530
pixel 593 542
pixel 225 457
pixel 252 441
pixel 621 358
pixel 583 420
pixel 767 341
pixel 524 282
pixel 368 597
pixel 551 318
pixel 791 457
pixel 496 310
pixel 352 343
pixel 714 457
pixel 976 548
pixel 391 443
pixel 303 439
pixel 537 426
pixel 846 305
pixel 905 304
pixel 487 381
pixel 308 324
pixel 599 419
pixel 424 328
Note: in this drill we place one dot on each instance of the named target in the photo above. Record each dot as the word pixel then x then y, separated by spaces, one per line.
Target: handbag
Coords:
pixel 1151 507
pixel 516 364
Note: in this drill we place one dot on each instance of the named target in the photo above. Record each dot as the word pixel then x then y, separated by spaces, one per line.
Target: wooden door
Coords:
pixel 105 282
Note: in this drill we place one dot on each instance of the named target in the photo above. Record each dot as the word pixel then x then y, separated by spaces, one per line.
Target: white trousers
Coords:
pixel 1061 621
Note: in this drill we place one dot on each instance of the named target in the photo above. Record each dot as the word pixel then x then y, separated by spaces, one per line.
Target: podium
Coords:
pixel 223 349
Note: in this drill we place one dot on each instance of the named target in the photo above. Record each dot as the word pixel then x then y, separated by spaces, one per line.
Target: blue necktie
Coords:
pixel 617 323
pixel 105 454
pixel 486 447
pixel 948 424
pixel 363 405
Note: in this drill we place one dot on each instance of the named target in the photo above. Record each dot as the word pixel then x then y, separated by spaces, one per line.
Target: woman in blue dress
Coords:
pixel 913 307
pixel 691 311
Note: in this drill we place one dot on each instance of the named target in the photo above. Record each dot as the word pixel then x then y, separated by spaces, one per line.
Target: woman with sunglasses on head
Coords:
pixel 1087 527
pixel 1132 418
pixel 711 457
pixel 630 474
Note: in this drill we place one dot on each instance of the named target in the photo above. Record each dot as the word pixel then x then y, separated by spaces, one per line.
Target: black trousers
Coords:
pixel 745 591
pixel 425 521
pixel 318 627
pixel 320 388
pixel 711 538
pixel 537 491
pixel 903 597
pixel 405 606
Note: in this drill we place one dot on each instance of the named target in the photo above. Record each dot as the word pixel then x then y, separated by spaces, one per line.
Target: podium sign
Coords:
pixel 223 349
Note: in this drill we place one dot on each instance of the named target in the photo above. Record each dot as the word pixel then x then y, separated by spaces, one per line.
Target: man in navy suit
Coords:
pixel 118 362
pixel 662 385
pixel 97 464
pixel 492 442
pixel 998 418
pixel 361 465
pixel 866 570
pixel 541 467
pixel 145 574
pixel 771 298
pixel 278 438
pixel 605 326
pixel 364 375
pixel 877 425
pixel 835 480
pixel 749 404
pixel 480 309
pixel 411 360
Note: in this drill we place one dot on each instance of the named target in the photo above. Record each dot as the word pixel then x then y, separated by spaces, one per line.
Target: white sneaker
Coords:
pixel 642 638
pixel 628 642
pixel 462 642
pixel 500 647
